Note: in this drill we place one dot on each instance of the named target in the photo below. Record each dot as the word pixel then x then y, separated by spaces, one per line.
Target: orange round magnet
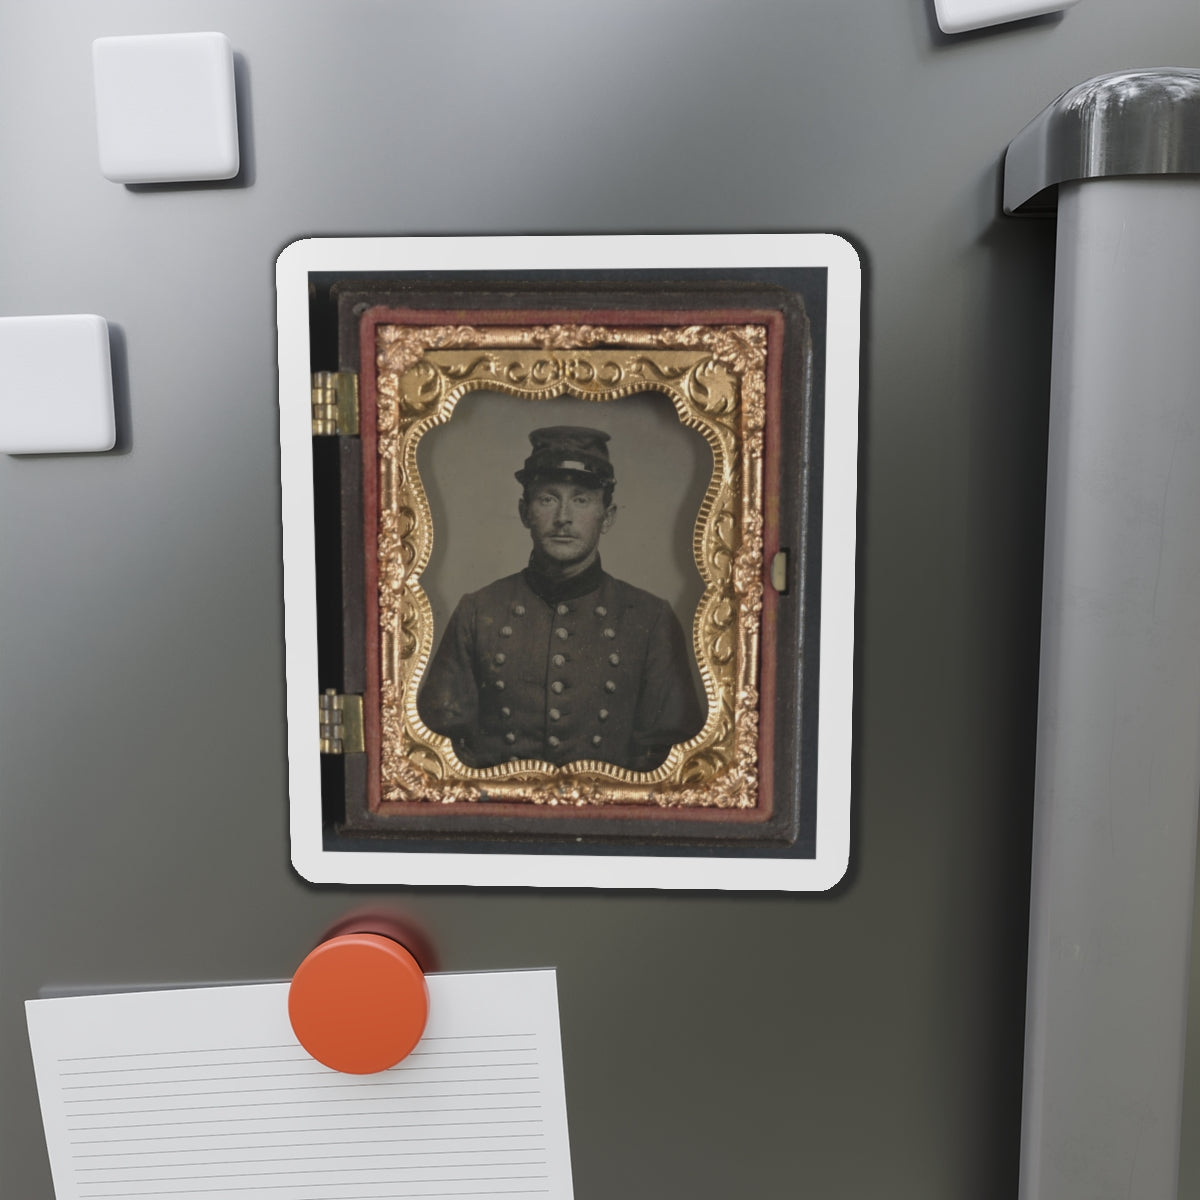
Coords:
pixel 358 1003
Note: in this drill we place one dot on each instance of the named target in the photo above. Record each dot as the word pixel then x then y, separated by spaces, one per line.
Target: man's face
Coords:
pixel 566 520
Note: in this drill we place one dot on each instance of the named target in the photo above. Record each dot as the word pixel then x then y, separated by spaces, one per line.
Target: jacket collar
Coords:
pixel 554 591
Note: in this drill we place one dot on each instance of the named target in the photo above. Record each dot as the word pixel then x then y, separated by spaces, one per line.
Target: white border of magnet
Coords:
pixel 840 498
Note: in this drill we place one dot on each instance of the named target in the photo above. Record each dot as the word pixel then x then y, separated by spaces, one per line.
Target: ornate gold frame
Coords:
pixel 715 376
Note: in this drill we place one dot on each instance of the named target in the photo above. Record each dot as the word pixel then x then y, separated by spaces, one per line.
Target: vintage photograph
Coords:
pixel 570 580
pixel 561 661
pixel 566 556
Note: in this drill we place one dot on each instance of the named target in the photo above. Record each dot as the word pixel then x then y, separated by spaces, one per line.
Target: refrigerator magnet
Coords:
pixel 569 530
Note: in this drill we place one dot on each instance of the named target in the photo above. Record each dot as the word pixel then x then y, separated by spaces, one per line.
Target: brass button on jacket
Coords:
pixel 628 675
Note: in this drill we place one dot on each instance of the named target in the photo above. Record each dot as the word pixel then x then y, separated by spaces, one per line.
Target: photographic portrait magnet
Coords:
pixel 569 544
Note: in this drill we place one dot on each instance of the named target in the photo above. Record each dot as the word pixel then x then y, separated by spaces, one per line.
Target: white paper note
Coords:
pixel 205 1092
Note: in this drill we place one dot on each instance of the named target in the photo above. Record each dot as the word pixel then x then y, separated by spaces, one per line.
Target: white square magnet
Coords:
pixel 56 396
pixel 960 16
pixel 166 110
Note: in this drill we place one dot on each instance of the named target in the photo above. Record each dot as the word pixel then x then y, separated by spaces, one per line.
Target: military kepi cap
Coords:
pixel 568 452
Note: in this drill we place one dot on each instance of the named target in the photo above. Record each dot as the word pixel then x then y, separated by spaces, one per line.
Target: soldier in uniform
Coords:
pixel 562 662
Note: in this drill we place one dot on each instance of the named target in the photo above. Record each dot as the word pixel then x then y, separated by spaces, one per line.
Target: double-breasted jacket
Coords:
pixel 560 671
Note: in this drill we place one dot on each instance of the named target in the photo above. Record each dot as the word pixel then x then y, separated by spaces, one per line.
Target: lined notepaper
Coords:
pixel 205 1092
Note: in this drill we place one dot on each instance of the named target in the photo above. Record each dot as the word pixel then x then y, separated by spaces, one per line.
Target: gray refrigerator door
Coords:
pixel 864 1042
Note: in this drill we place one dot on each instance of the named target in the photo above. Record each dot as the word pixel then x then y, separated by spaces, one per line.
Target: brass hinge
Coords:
pixel 335 403
pixel 341 723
